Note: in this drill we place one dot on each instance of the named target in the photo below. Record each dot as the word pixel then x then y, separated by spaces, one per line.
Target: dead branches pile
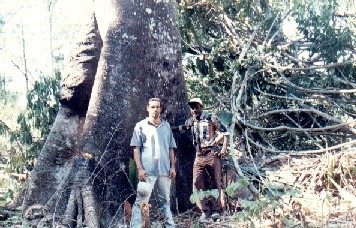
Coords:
pixel 320 188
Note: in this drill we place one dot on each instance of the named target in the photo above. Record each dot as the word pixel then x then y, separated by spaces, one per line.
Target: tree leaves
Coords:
pixel 201 194
pixel 33 124
pixel 255 68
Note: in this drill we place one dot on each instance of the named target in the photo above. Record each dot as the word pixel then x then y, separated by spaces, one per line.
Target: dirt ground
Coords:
pixel 295 191
pixel 298 191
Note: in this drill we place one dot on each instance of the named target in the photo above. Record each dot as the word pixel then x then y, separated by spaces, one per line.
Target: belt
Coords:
pixel 204 151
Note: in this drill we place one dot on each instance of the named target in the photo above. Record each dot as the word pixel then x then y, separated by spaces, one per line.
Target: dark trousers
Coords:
pixel 207 176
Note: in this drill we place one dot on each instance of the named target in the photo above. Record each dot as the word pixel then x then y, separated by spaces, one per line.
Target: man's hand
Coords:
pixel 225 142
pixel 172 173
pixel 223 151
pixel 142 174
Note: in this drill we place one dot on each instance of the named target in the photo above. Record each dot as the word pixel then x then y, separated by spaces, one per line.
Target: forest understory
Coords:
pixel 297 191
pixel 294 191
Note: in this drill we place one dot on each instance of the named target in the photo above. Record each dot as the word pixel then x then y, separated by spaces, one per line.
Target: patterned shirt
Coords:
pixel 204 130
pixel 154 143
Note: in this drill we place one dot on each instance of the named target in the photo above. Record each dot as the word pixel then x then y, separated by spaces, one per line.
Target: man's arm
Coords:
pixel 182 128
pixel 221 134
pixel 218 129
pixel 172 171
pixel 137 157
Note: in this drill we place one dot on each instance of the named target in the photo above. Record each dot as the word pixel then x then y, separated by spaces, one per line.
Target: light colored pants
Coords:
pixel 163 185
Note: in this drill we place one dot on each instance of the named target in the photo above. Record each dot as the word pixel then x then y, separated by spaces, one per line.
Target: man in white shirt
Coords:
pixel 154 145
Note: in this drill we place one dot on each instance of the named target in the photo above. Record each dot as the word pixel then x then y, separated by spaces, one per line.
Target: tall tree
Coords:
pixel 130 52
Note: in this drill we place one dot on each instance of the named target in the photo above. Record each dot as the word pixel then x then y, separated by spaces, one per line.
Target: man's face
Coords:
pixel 196 109
pixel 154 109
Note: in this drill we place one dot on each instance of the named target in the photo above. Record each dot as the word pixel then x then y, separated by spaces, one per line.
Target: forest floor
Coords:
pixel 296 191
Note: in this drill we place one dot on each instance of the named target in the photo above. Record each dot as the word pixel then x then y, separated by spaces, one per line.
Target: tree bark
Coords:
pixel 102 97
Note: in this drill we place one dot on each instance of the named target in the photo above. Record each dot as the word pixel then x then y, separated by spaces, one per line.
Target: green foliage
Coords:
pixel 9 104
pixel 43 104
pixel 225 117
pixel 205 59
pixel 204 194
pixel 7 197
pixel 270 207
pixel 23 134
pixel 318 22
pixel 211 50
pixel 274 208
pixel 230 191
pixel 236 52
pixel 255 208
pixel 231 188
pixel 33 124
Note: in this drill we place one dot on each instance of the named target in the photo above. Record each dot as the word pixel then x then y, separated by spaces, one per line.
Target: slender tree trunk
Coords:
pixel 24 56
pixel 51 5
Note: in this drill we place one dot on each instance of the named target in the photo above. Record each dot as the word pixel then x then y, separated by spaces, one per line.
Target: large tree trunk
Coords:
pixel 81 173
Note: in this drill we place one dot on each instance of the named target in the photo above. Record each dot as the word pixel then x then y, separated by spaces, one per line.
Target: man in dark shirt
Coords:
pixel 206 132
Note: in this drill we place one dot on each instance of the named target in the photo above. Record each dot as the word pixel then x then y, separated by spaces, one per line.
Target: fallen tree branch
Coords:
pixel 316 67
pixel 304 152
pixel 273 159
pixel 253 162
pixel 343 193
pixel 305 132
pixel 293 129
pixel 326 116
pixel 287 82
pixel 302 104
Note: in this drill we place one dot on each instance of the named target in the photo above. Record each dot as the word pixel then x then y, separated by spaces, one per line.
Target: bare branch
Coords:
pixel 253 160
pixel 345 81
pixel 275 158
pixel 293 129
pixel 5 126
pixel 316 67
pixel 305 132
pixel 302 104
pixel 289 98
pixel 304 152
pixel 19 68
pixel 323 91
pixel 254 164
pixel 344 14
pixel 310 109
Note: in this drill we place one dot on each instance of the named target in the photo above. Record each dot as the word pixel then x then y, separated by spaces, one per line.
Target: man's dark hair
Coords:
pixel 154 99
